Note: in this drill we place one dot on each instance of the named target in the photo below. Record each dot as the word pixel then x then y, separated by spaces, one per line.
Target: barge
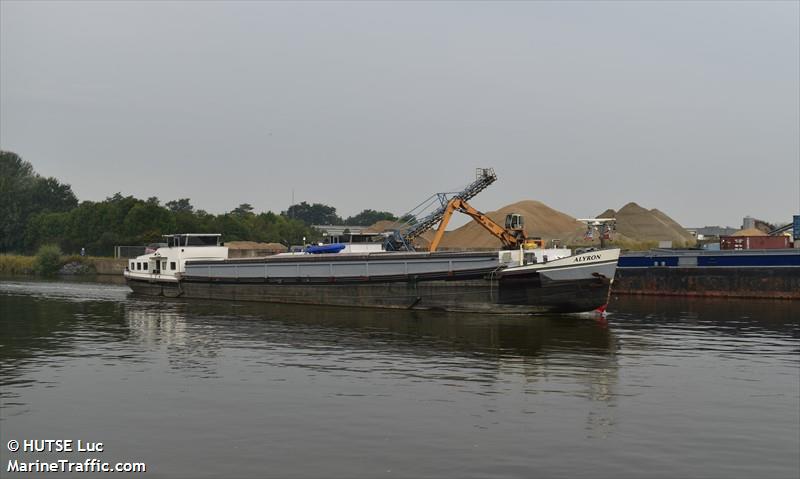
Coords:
pixel 507 281
pixel 751 273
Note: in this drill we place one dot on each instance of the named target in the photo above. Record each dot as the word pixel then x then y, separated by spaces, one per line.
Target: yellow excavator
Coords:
pixel 512 236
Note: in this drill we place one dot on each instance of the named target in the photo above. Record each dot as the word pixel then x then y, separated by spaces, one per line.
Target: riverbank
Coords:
pixel 12 264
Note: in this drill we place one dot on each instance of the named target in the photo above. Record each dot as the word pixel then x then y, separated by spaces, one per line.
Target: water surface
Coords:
pixel 663 387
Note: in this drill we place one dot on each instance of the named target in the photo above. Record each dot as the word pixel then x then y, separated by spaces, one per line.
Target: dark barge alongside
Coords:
pixel 773 273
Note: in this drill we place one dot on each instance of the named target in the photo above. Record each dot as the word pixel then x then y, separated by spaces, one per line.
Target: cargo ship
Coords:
pixel 740 273
pixel 526 281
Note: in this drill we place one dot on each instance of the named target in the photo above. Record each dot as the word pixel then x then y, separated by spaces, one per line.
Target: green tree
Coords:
pixel 243 209
pixel 23 194
pixel 49 195
pixel 182 205
pixel 46 228
pixel 233 227
pixel 36 211
pixel 369 217
pixel 146 223
pixel 48 260
pixel 316 214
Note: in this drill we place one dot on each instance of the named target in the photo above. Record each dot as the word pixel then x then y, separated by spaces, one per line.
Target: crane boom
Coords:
pixel 511 238
pixel 483 178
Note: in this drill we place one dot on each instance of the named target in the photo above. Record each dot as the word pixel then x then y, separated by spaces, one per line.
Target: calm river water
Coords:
pixel 663 388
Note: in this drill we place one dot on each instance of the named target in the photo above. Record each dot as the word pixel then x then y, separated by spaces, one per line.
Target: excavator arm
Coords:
pixel 509 238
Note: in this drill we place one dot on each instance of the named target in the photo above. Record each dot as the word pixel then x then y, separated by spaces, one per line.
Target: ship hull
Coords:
pixel 527 296
pixel 467 282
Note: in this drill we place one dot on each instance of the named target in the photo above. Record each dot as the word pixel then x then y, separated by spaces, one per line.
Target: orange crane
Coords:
pixel 512 235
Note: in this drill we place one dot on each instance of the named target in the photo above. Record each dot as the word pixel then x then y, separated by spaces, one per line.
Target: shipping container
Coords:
pixel 753 242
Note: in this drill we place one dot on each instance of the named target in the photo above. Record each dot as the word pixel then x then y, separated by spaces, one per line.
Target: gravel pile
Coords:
pixel 640 224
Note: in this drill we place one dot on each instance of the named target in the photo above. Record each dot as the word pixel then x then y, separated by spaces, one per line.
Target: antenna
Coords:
pixel 290 206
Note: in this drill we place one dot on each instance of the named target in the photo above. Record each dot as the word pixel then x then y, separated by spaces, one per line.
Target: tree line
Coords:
pixel 35 210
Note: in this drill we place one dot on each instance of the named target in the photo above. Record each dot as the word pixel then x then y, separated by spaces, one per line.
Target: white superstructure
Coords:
pixel 167 263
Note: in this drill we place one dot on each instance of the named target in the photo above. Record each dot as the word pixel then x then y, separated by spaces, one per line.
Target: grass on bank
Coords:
pixel 17 264
pixel 48 261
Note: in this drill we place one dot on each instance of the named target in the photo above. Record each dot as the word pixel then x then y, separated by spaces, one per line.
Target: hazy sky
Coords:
pixel 689 107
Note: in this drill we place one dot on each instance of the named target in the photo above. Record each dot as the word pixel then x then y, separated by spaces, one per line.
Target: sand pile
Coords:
pixel 634 223
pixel 640 224
pixel 254 245
pixel 382 226
pixel 540 220
pixel 750 232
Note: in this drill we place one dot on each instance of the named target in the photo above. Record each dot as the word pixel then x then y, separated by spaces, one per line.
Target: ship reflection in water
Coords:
pixel 482 354
pixel 201 388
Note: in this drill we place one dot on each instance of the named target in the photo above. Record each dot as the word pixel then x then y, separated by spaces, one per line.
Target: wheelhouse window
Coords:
pixel 202 240
pixel 172 265
pixel 176 241
pixel 144 266
pixel 133 265
pixel 138 266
